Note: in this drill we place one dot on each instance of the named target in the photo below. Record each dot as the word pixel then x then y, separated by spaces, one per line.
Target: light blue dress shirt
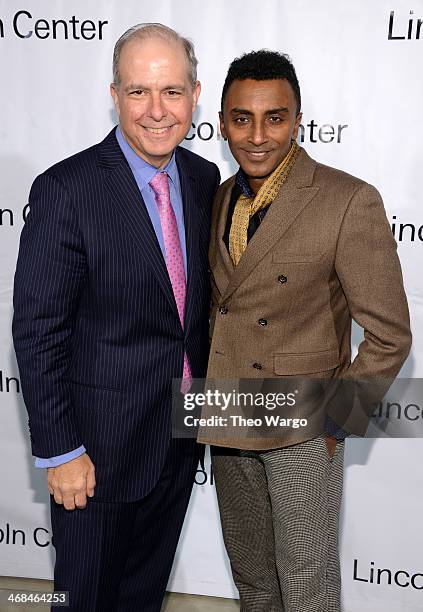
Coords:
pixel 143 174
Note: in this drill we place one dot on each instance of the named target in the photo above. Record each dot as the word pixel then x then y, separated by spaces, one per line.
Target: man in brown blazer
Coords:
pixel 298 250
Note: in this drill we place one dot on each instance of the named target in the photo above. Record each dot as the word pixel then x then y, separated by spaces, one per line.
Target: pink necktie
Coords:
pixel 174 258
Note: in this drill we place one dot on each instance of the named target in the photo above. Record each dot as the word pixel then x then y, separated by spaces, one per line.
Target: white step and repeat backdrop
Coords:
pixel 360 65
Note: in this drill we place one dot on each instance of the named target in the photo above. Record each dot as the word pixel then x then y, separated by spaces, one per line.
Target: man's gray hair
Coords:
pixel 142 31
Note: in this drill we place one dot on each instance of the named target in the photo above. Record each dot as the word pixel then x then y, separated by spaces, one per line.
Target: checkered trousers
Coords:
pixel 279 511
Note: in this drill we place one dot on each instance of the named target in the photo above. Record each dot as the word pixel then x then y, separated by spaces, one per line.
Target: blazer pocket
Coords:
pixel 291 364
pixel 90 397
pixel 296 257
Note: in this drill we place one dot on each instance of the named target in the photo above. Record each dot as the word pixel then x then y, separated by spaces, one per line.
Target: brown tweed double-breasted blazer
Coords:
pixel 323 255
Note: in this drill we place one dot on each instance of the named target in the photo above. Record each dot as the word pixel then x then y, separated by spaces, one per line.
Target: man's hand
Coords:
pixel 330 445
pixel 72 482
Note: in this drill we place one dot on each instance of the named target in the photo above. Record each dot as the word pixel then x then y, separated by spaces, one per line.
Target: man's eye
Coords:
pixel 172 93
pixel 137 92
pixel 241 119
pixel 275 119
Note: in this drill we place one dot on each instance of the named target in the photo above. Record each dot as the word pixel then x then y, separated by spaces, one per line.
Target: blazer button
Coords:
pixel 262 322
pixel 257 366
pixel 282 279
pixel 223 310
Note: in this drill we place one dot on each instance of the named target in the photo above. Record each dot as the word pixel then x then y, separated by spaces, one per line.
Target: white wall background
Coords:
pixel 55 101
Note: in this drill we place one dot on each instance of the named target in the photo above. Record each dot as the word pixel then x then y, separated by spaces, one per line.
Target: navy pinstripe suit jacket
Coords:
pixel 96 328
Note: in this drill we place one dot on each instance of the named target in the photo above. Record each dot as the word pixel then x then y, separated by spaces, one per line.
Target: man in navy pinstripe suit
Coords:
pixel 111 303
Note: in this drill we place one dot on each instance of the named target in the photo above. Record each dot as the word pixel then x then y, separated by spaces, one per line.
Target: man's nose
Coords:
pixel 258 133
pixel 156 108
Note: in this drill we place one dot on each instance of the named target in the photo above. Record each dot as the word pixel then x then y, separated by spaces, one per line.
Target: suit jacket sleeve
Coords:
pixel 368 268
pixel 49 278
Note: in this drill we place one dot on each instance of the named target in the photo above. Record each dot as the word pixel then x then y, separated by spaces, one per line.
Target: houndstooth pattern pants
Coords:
pixel 279 511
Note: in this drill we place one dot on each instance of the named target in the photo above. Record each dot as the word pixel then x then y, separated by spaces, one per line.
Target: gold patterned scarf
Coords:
pixel 246 207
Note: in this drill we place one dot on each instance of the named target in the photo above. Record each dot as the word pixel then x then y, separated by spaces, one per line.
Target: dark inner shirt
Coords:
pixel 254 221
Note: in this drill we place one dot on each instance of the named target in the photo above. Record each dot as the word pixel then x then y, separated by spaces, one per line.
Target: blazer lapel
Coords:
pixel 294 196
pixel 129 204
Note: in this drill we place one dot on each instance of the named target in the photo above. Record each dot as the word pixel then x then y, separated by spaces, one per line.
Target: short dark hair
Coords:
pixel 262 65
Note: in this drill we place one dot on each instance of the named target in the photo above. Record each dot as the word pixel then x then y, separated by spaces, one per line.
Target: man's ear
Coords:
pixel 298 120
pixel 196 95
pixel 222 125
pixel 115 96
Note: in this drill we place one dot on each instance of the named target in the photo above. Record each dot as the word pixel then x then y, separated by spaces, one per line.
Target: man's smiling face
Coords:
pixel 260 119
pixel 155 97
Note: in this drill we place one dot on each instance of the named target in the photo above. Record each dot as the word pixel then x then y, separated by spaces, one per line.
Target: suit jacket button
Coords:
pixel 257 366
pixel 282 279
pixel 223 310
pixel 262 322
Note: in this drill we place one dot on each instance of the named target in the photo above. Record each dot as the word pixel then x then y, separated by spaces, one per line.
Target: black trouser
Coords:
pixel 114 556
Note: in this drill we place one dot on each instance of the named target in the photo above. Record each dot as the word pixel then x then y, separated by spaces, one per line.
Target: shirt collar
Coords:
pixel 144 171
pixel 242 181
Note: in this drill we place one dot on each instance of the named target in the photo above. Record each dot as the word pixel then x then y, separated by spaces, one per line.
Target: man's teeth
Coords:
pixel 157 130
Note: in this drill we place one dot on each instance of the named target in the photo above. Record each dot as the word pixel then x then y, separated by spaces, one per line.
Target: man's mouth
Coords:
pixel 256 154
pixel 160 130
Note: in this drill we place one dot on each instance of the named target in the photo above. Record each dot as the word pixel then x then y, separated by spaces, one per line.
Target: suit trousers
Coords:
pixel 117 557
pixel 279 511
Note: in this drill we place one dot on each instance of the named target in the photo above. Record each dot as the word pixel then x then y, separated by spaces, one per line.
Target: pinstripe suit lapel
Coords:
pixel 129 204
pixel 190 200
